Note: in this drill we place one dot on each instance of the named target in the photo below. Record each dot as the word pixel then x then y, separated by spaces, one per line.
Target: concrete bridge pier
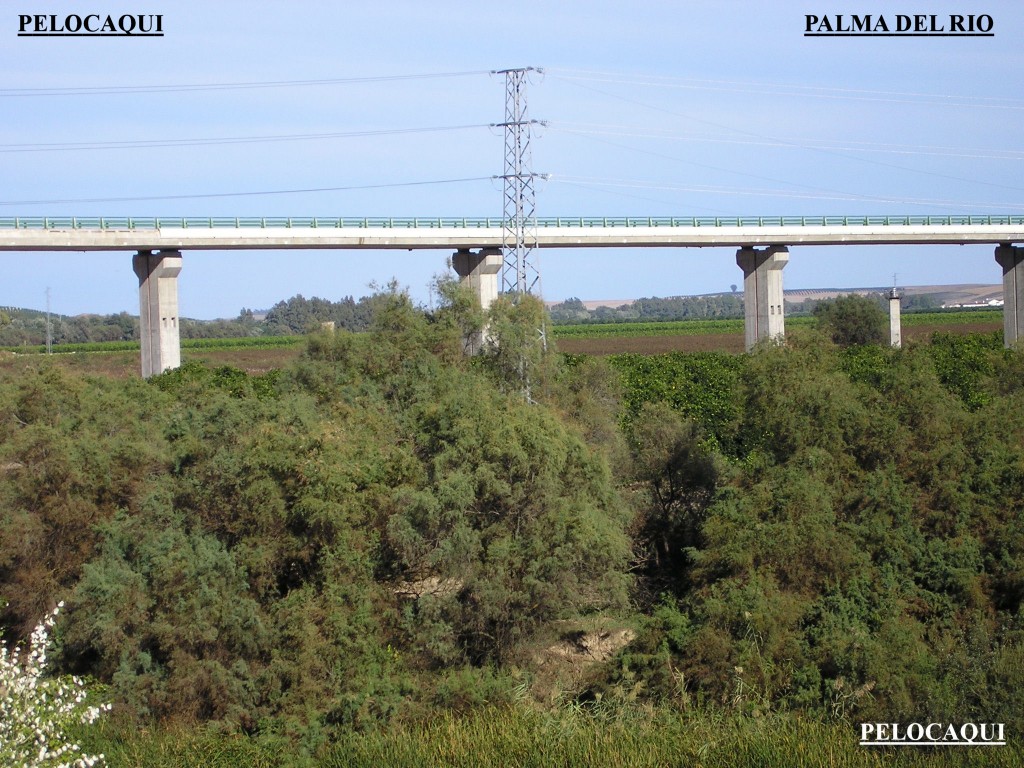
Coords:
pixel 1011 259
pixel 895 325
pixel 158 310
pixel 762 292
pixel 479 272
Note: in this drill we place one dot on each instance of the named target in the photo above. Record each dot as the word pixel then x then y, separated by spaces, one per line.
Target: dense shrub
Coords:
pixel 865 558
pixel 388 526
pixel 852 319
pixel 293 552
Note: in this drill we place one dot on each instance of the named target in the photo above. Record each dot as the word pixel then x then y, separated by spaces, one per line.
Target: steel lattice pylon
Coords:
pixel 519 273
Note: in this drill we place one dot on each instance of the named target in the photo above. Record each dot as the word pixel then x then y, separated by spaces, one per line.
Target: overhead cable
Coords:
pixel 151 143
pixel 198 196
pixel 152 88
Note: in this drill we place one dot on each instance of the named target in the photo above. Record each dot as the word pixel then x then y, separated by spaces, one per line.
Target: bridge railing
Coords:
pixel 120 224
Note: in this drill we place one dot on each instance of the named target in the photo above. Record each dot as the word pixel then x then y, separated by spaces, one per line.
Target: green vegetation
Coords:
pixel 953 316
pixel 851 320
pixel 246 342
pixel 695 327
pixel 390 552
pixel 575 737
pixel 716 306
pixel 710 307
pixel 671 328
pixel 21 328
pixel 305 315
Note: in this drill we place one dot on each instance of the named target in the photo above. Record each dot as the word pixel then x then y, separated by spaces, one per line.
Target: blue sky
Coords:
pixel 652 108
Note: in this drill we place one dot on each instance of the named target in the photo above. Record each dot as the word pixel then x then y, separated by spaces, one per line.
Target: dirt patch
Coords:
pixel 564 667
pixel 587 647
pixel 253 361
pixel 126 365
pixel 432 585
pixel 115 365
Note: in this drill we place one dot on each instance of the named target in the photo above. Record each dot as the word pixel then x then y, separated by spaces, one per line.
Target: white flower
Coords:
pixel 34 710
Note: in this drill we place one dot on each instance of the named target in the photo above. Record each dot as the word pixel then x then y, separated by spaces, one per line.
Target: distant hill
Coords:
pixel 956 294
pixel 965 293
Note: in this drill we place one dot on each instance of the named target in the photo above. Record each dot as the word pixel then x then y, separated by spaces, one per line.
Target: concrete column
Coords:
pixel 158 310
pixel 895 326
pixel 762 292
pixel 1011 259
pixel 479 272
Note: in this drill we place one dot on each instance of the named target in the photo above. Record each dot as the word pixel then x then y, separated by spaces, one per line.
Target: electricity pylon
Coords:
pixel 519 274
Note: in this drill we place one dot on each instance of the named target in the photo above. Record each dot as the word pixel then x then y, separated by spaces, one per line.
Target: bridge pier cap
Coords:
pixel 763 306
pixel 158 310
pixel 478 271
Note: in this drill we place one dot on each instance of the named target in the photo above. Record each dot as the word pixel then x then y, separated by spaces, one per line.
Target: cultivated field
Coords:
pixel 262 355
pixel 733 342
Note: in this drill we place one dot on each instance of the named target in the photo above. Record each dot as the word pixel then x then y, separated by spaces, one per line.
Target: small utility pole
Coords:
pixel 895 329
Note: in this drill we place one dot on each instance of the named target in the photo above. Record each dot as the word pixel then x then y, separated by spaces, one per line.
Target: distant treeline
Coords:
pixel 298 315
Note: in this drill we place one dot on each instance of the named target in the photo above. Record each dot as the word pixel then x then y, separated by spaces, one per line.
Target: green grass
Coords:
pixel 699 327
pixel 524 736
pixel 667 328
pixel 247 342
pixel 956 317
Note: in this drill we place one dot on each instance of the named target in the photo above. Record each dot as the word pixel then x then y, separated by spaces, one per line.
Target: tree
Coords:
pixel 852 320
pixel 680 478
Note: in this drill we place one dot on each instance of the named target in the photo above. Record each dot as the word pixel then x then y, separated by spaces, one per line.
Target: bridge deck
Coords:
pixel 227 233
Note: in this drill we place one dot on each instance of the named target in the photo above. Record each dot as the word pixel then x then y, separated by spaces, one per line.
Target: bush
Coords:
pixel 35 712
pixel 852 319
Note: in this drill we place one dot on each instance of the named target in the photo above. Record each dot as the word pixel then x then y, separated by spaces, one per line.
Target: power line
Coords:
pixel 695 164
pixel 788 89
pixel 843 194
pixel 588 182
pixel 626 131
pixel 129 89
pixel 794 144
pixel 198 196
pixel 211 141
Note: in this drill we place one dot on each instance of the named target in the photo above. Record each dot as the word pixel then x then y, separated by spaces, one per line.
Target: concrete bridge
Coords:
pixel 762 244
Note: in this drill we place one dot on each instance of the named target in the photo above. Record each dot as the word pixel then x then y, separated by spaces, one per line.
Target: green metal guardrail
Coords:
pixel 121 224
